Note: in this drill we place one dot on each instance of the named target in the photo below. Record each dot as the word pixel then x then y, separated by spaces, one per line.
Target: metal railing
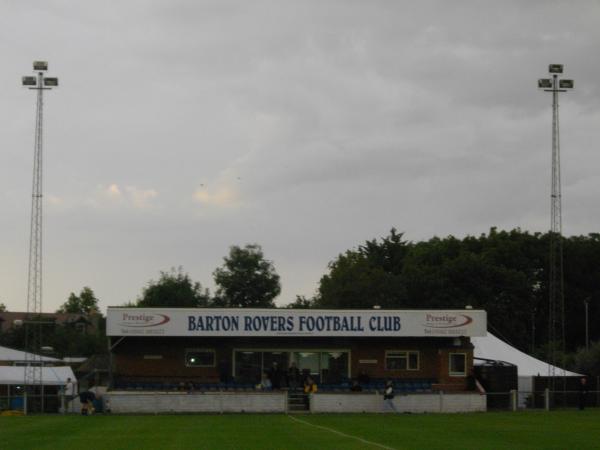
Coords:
pixel 541 400
pixel 29 403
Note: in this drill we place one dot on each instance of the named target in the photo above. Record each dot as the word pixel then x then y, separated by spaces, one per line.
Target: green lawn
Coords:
pixel 522 430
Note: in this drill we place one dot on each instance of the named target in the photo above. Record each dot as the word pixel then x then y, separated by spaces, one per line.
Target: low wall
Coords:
pixel 413 403
pixel 276 402
pixel 208 402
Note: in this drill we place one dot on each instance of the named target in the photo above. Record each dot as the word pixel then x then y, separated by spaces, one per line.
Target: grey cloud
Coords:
pixel 330 122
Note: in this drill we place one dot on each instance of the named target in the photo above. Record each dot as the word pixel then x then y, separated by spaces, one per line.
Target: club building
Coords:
pixel 209 350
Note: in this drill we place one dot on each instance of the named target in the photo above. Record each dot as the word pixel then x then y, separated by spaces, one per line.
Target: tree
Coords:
pixel 84 303
pixel 301 302
pixel 503 272
pixel 246 279
pixel 174 289
pixel 66 339
pixel 368 276
pixel 588 361
pixel 2 307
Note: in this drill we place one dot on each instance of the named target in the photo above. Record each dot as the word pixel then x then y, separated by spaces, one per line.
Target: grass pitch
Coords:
pixel 520 430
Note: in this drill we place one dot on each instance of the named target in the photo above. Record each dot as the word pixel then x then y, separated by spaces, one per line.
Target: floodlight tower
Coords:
pixel 556 301
pixel 33 331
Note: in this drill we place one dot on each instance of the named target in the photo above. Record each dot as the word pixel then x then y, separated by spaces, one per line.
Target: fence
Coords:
pixel 39 404
pixel 541 400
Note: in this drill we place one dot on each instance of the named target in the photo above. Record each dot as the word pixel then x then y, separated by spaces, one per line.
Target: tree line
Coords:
pixel 504 272
pixel 246 279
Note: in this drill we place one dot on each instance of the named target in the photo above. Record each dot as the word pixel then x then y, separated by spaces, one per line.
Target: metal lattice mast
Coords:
pixel 33 333
pixel 556 300
pixel 34 279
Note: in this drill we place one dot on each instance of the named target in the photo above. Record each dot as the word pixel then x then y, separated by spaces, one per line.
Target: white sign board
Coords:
pixel 293 322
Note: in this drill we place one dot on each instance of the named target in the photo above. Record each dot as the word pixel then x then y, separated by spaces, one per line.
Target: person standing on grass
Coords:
pixel 70 389
pixel 86 399
pixel 583 388
pixel 388 397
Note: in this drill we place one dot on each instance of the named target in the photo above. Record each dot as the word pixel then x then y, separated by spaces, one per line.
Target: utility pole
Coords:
pixel 33 330
pixel 556 301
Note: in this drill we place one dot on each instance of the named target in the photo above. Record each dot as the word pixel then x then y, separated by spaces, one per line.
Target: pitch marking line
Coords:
pixel 342 434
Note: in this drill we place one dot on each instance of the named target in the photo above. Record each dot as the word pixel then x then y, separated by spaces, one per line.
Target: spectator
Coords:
pixel 225 370
pixel 363 378
pixel 310 387
pixel 355 386
pixel 265 383
pixel 275 376
pixel 388 397
pixel 293 376
pixel 582 392
pixel 87 402
pixel 69 391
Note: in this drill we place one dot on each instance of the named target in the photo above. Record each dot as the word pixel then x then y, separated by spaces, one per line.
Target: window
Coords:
pixel 199 358
pixel 458 364
pixel 401 360
pixel 324 366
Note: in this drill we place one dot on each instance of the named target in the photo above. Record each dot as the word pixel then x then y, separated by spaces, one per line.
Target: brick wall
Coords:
pixel 163 359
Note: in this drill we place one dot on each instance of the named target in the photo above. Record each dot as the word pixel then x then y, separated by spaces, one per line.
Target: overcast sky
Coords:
pixel 181 128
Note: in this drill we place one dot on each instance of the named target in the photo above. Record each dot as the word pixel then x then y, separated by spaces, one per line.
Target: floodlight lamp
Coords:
pixel 566 84
pixel 29 81
pixel 555 68
pixel 50 81
pixel 40 65
pixel 545 83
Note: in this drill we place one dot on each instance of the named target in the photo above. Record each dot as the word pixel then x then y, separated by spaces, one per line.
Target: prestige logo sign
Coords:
pixel 446 320
pixel 143 320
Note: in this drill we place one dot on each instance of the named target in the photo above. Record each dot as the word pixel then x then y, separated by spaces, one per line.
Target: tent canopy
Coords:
pixel 12 355
pixel 51 376
pixel 490 347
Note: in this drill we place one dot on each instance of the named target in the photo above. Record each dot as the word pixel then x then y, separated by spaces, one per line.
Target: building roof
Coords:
pixel 51 376
pixel 8 318
pixel 12 355
pixel 490 347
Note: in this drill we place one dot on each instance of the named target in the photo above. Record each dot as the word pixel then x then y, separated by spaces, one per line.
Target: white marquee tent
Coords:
pixel 11 355
pixel 490 347
pixel 15 375
pixel 528 367
pixel 51 376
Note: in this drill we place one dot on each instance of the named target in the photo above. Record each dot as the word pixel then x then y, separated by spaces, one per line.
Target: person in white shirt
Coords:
pixel 70 389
